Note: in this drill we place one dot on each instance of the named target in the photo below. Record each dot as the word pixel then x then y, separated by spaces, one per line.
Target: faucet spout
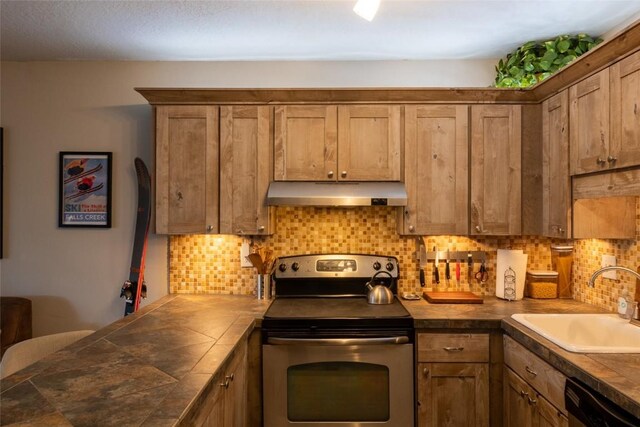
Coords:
pixel 591 282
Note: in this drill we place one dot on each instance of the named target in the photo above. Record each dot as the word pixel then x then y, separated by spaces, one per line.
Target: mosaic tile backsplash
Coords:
pixel 211 263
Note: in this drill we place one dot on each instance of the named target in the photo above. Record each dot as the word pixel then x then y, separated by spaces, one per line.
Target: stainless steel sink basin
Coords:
pixel 585 333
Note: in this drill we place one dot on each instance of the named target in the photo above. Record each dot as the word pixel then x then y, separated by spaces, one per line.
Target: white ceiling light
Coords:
pixel 367 8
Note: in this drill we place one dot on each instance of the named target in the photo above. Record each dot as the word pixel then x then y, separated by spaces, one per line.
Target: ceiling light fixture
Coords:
pixel 366 8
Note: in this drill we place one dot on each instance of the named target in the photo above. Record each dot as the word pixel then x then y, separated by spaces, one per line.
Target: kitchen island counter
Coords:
pixel 144 369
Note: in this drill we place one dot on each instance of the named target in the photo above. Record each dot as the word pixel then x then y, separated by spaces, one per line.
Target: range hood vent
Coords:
pixel 336 194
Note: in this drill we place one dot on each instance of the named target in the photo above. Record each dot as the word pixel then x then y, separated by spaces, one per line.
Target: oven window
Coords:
pixel 338 391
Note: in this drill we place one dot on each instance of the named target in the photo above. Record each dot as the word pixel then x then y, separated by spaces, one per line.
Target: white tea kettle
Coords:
pixel 379 294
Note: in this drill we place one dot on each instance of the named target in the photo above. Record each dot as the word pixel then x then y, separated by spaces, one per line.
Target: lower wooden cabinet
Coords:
pixel 533 390
pixel 524 407
pixel 453 379
pixel 226 403
pixel 453 394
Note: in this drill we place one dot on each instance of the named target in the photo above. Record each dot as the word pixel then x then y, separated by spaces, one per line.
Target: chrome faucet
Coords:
pixel 591 282
pixel 635 316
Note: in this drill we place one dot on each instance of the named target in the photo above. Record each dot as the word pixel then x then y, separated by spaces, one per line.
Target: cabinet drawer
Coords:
pixel 546 379
pixel 436 347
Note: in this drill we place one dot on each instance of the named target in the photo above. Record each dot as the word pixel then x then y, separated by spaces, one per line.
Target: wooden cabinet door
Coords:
pixel 245 169
pixel 589 123
pixel 236 398
pixel 517 410
pixel 306 139
pixel 369 142
pixel 453 394
pixel 625 112
pixel 217 402
pixel 436 168
pixel 496 170
pixel 547 415
pixel 556 182
pixel 186 169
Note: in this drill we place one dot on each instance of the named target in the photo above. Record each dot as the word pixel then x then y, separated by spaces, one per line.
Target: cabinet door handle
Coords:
pixel 343 174
pixel 532 402
pixel 453 349
pixel 611 159
pixel 209 228
pixel 225 384
pixel 330 174
pixel 478 229
pixel 229 377
pixel 601 161
pixel 425 371
pixel 261 228
pixel 179 194
pixel 411 228
pixel 531 371
pixel 524 394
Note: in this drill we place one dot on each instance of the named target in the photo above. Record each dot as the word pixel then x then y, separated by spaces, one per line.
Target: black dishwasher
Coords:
pixel 589 408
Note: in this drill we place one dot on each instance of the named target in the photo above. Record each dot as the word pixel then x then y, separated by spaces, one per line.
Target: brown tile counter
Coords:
pixel 616 376
pixel 149 365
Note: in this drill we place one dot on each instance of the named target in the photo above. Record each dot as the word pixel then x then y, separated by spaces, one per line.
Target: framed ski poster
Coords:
pixel 85 189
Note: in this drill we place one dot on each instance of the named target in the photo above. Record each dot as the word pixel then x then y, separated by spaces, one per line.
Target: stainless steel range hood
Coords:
pixel 336 194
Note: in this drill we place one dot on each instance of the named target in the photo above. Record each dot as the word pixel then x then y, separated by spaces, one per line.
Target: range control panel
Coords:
pixel 334 265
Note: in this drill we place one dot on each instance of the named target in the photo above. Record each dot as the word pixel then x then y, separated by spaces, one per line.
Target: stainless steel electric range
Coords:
pixel 329 357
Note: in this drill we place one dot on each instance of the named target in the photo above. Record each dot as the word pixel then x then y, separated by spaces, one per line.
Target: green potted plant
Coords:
pixel 535 61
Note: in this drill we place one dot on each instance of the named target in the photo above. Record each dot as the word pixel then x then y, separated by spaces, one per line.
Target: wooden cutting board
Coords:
pixel 452 297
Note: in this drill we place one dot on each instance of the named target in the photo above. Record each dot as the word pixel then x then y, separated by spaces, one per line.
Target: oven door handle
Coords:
pixel 337 341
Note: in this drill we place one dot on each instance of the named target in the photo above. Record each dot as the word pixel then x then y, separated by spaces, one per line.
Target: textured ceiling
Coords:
pixel 292 30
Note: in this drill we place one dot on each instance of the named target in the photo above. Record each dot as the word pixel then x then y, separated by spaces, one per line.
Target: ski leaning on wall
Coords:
pixel 134 289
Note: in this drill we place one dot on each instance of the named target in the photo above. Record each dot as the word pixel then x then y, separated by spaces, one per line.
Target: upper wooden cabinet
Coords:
pixel 245 169
pixel 306 142
pixel 346 143
pixel 436 170
pixel 186 169
pixel 625 112
pixel 589 124
pixel 556 183
pixel 496 170
pixel 369 142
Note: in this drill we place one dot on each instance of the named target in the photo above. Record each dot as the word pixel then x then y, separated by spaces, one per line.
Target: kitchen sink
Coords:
pixel 585 333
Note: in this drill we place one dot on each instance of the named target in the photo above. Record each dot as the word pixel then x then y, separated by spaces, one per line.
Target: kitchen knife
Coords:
pixel 422 280
pixel 458 272
pixel 447 272
pixel 436 273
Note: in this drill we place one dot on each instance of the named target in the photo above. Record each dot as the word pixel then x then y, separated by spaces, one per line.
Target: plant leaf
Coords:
pixel 563 46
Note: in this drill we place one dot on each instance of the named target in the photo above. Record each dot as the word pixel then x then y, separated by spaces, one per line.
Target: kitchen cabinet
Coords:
pixel 369 142
pixel 245 169
pixel 344 143
pixel 524 407
pixel 625 112
pixel 306 142
pixel 589 124
pixel 556 182
pixel 227 402
pixel 436 170
pixel 453 379
pixel 186 181
pixel 533 389
pixel 496 170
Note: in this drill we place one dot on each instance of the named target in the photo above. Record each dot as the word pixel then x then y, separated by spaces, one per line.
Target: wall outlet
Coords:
pixel 244 252
pixel 609 260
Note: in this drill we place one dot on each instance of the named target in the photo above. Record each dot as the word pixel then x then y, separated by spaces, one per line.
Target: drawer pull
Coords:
pixel 453 349
pixel 225 384
pixel 425 371
pixel 532 402
pixel 524 393
pixel 531 371
pixel 229 377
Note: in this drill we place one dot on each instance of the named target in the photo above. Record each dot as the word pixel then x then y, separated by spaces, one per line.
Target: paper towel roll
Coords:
pixel 511 270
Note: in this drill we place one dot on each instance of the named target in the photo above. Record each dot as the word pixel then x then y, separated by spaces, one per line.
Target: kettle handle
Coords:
pixel 370 282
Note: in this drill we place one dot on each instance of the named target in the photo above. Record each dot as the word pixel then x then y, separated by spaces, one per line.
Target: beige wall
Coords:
pixel 73 275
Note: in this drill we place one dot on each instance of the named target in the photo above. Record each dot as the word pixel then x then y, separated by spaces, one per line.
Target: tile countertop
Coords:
pixel 148 368
pixel 616 376
pixel 144 369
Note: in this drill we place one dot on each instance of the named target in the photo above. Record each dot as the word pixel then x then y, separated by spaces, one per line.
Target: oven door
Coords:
pixel 338 382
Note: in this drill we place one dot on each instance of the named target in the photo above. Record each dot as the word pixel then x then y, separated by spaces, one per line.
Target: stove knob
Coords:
pixel 295 266
pixel 376 266
pixel 282 267
pixel 389 266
